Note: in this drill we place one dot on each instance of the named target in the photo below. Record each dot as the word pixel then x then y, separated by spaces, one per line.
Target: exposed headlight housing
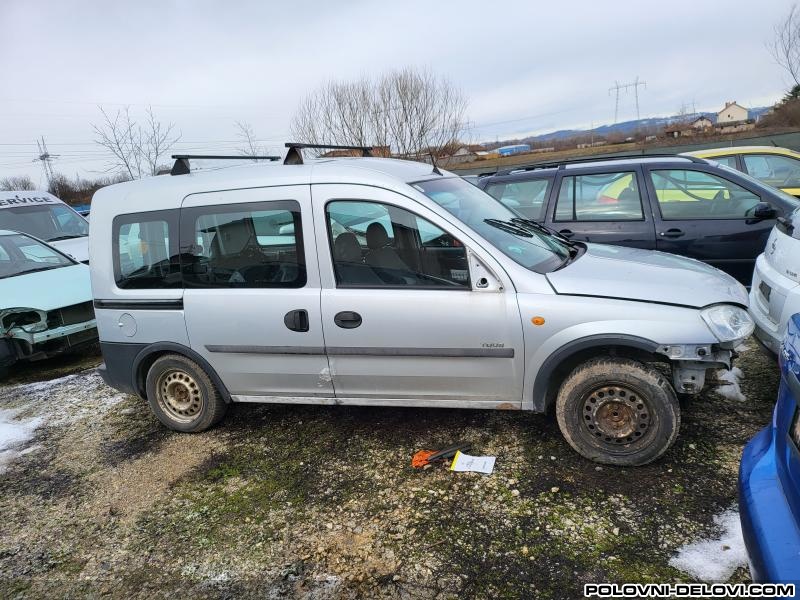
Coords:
pixel 728 322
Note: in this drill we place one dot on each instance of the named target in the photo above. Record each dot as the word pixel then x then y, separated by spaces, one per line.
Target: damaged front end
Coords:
pixel 691 361
pixel 33 334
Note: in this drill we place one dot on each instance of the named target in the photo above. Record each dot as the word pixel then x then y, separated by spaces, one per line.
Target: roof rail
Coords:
pixel 295 157
pixel 181 166
pixel 589 159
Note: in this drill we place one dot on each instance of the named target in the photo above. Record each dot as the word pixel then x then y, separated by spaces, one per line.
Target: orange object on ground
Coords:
pixel 420 459
pixel 426 457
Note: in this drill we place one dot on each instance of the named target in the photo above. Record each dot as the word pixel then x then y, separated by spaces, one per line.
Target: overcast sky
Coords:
pixel 524 66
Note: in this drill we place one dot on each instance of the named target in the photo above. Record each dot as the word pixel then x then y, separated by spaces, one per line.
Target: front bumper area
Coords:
pixel 771 533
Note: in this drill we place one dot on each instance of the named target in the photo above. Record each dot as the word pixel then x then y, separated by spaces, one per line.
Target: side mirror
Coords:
pixel 763 211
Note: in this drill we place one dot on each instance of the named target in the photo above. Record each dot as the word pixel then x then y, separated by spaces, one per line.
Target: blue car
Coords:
pixel 769 479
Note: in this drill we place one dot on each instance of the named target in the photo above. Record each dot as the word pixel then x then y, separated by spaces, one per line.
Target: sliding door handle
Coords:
pixel 296 320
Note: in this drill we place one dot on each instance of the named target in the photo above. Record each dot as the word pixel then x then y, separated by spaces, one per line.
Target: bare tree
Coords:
pixel 411 111
pixel 16 183
pixel 785 47
pixel 135 148
pixel 249 143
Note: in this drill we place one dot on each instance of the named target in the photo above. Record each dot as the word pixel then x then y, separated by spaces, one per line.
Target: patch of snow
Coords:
pixel 63 400
pixel 714 560
pixel 60 401
pixel 730 387
pixel 13 435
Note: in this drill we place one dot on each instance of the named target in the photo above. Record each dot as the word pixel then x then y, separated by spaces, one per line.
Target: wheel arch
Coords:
pixel 148 355
pixel 561 362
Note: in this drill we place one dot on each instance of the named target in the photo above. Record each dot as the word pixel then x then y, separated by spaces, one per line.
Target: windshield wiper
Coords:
pixel 545 230
pixel 65 237
pixel 509 227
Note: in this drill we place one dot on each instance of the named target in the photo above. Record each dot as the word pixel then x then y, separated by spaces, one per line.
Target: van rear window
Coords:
pixel 253 245
pixel 146 250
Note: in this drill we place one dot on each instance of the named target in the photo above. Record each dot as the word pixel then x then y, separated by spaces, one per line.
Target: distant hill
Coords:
pixel 624 128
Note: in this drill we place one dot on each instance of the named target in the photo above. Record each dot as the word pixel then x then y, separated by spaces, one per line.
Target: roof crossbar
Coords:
pixel 181 166
pixel 589 159
pixel 295 157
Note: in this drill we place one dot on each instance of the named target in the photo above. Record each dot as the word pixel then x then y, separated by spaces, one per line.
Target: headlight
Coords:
pixel 728 322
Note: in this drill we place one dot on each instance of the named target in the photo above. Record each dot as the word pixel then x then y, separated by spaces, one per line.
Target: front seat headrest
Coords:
pixel 346 248
pixel 376 236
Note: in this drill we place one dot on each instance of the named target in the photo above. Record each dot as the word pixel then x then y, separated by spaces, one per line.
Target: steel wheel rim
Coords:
pixel 616 417
pixel 179 395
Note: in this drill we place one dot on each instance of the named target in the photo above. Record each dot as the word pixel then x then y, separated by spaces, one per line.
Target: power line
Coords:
pixel 626 86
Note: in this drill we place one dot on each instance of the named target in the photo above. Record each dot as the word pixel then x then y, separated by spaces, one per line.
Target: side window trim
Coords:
pixel 190 214
pixel 385 286
pixel 564 173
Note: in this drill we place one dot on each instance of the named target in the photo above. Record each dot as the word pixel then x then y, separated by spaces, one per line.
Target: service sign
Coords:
pixel 12 199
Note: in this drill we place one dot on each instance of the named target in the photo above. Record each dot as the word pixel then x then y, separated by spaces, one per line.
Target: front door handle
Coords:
pixel 672 233
pixel 566 233
pixel 347 319
pixel 296 320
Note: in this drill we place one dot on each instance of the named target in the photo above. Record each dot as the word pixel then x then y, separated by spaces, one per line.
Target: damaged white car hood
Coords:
pixel 634 274
pixel 46 290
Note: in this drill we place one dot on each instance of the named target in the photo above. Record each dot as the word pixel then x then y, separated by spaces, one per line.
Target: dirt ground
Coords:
pixel 321 502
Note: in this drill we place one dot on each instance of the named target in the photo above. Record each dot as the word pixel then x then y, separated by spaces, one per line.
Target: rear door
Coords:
pixel 252 291
pixel 603 206
pixel 708 217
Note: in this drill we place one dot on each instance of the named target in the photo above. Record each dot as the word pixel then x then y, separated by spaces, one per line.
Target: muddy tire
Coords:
pixel 182 395
pixel 618 411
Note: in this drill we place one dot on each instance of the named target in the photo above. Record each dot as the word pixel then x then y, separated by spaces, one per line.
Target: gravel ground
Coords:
pixel 321 502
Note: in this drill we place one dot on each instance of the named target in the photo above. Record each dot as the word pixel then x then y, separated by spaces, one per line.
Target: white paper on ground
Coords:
pixel 477 464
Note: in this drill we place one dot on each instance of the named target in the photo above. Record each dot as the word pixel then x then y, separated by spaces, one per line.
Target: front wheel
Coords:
pixel 618 412
pixel 182 395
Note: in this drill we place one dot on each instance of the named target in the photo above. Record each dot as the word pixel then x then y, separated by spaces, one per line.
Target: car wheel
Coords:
pixel 618 412
pixel 182 395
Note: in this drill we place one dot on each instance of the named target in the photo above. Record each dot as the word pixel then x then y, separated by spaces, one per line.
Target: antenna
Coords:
pixel 47 163
pixel 626 86
pixel 433 162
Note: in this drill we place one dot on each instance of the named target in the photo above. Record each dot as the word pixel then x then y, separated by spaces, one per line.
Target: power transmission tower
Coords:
pixel 626 86
pixel 47 161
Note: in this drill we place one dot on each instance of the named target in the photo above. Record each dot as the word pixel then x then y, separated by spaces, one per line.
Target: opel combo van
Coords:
pixel 368 281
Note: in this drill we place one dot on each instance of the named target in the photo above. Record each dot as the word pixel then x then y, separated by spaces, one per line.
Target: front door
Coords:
pixel 707 217
pixel 252 291
pixel 604 208
pixel 411 315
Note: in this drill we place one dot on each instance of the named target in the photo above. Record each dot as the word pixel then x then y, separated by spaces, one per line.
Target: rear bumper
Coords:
pixel 771 532
pixel 118 370
pixel 771 316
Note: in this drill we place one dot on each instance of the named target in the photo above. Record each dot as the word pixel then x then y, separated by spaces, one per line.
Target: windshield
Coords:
pixel 762 186
pixel 48 222
pixel 20 254
pixel 531 248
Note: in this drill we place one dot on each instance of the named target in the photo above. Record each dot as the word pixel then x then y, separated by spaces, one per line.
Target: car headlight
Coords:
pixel 728 322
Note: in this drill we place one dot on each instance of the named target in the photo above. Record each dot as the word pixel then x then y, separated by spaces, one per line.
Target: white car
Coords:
pixel 775 294
pixel 47 218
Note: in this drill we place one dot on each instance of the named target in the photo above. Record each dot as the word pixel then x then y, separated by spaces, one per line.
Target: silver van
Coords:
pixel 369 281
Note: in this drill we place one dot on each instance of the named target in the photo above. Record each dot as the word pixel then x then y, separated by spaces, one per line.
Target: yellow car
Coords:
pixel 778 167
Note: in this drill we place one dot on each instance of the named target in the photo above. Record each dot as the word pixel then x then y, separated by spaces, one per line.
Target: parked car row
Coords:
pixel 380 282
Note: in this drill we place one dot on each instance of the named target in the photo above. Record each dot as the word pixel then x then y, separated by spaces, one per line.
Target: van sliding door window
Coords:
pixel 253 245
pixel 146 250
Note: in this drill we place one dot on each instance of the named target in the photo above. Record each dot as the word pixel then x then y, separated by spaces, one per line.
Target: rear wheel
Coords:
pixel 182 395
pixel 618 412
